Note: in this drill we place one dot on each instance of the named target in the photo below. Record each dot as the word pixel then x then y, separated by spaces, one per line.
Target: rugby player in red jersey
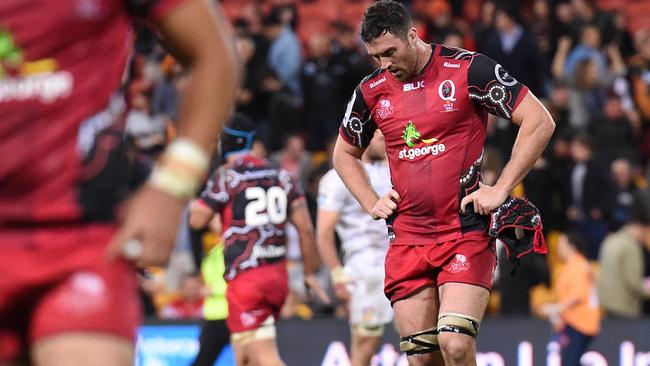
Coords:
pixel 255 200
pixel 431 102
pixel 67 297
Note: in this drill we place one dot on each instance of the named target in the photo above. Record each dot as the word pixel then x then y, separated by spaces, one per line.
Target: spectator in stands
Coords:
pixel 621 285
pixel 559 160
pixel 351 64
pixel 511 45
pixel 453 38
pixel 241 27
pixel 623 174
pixel 539 187
pixel 612 132
pixel 322 93
pixel 285 54
pixel 166 93
pixel 285 60
pixel 590 194
pixel 540 26
pixel 293 157
pixel 288 13
pixel 576 315
pixel 259 86
pixel 622 37
pixel 589 48
pixel 586 13
pixel 484 27
pixel 558 106
pixel 561 23
pixel 640 84
pixel 639 71
pixel 438 20
pixel 190 303
pixel 148 133
pixel 587 79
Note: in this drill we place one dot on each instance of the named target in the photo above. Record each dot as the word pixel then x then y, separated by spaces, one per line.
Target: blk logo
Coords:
pixel 414 86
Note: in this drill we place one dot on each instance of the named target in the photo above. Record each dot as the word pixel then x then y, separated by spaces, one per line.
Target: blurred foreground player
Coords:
pixel 359 283
pixel 67 296
pixel 431 103
pixel 255 201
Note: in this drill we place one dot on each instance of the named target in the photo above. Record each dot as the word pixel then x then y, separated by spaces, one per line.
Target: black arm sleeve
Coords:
pixel 357 127
pixel 492 88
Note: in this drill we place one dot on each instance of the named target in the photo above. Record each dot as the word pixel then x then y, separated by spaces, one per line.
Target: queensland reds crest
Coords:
pixel 459 264
pixel 447 92
pixel 385 109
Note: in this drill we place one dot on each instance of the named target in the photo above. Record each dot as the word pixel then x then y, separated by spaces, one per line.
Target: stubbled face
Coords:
pixel 397 55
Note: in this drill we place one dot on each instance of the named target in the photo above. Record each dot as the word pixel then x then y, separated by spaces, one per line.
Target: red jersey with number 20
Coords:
pixel 254 199
pixel 434 127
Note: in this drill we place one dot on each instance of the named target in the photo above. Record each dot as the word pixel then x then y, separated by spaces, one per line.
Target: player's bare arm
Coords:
pixel 536 129
pixel 325 226
pixel 197 36
pixel 347 162
pixel 310 259
pixel 195 33
pixel 200 215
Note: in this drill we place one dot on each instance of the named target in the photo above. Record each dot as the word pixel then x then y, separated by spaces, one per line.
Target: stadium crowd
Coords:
pixel 589 62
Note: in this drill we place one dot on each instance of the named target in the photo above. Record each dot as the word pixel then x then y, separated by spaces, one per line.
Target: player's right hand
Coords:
pixel 386 205
pixel 313 286
pixel 150 221
pixel 341 292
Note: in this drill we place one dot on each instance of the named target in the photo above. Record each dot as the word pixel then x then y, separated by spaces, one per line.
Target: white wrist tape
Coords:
pixel 338 276
pixel 188 152
pixel 181 168
pixel 169 181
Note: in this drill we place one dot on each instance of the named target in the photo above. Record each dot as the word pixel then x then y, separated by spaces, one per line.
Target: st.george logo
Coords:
pixel 412 138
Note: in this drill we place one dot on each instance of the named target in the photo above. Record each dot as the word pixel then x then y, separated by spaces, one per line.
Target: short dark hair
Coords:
pixel 272 18
pixel 385 16
pixel 639 210
pixel 584 140
pixel 578 241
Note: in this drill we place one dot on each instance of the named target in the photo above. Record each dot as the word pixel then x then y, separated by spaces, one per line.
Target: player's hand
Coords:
pixel 313 286
pixel 386 205
pixel 485 199
pixel 341 292
pixel 149 226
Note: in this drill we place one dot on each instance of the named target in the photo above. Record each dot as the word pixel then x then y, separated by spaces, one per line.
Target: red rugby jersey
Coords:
pixel 434 126
pixel 254 199
pixel 61 67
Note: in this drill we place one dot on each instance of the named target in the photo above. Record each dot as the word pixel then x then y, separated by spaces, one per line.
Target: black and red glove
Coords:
pixel 518 224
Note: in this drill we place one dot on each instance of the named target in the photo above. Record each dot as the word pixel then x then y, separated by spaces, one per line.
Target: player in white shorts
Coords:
pixel 360 283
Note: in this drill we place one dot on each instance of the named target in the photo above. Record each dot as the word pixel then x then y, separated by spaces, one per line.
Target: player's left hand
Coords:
pixel 485 199
pixel 150 221
pixel 312 285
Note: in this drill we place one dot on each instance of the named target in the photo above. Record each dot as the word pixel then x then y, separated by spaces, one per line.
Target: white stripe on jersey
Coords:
pixel 356 229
